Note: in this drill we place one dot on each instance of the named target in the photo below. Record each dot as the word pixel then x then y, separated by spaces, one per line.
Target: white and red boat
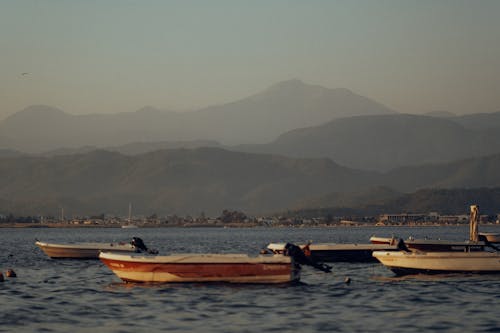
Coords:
pixel 233 268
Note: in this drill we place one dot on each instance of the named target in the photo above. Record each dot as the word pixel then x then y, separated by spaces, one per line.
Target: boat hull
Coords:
pixel 402 263
pixel 202 268
pixel 82 250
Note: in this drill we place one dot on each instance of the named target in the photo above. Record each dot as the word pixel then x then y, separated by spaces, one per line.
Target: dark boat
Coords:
pixel 330 252
pixel 432 245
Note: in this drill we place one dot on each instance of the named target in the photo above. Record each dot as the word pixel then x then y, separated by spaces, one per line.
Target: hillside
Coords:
pixel 446 188
pixel 383 142
pixel 442 201
pixel 167 182
pixel 209 180
pixel 468 173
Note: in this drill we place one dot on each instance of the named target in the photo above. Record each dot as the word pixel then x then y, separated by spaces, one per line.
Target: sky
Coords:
pixel 113 56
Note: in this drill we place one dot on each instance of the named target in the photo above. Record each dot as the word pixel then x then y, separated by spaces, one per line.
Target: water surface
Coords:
pixel 84 296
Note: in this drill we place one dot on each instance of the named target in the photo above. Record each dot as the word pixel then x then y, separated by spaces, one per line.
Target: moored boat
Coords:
pixel 471 257
pixel 232 268
pixel 402 263
pixel 330 252
pixel 425 244
pixel 477 240
pixel 89 250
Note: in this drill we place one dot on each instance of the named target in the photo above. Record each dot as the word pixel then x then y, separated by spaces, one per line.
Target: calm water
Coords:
pixel 84 296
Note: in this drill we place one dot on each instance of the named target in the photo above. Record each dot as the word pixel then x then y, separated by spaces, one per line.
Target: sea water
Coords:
pixel 84 296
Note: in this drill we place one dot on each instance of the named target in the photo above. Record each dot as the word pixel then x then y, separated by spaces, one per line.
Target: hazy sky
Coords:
pixel 117 55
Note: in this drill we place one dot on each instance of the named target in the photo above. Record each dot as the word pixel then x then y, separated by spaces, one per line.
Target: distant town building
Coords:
pixel 401 218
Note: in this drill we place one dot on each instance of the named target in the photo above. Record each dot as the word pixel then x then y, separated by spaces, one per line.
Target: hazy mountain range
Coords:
pixel 256 119
pixel 292 146
pixel 168 181
pixel 381 142
pixel 290 118
pixel 191 181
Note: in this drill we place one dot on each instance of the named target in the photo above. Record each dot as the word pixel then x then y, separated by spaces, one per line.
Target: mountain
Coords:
pixel 383 142
pixel 255 119
pixel 209 180
pixel 467 173
pixel 446 188
pixel 442 201
pixel 359 200
pixel 178 181
pixel 285 106
pixel 41 128
pixel 448 201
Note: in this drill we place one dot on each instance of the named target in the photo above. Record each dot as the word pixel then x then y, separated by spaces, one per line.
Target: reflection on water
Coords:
pixel 84 296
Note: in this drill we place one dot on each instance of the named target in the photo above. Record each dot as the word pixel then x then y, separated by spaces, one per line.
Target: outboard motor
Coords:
pixel 299 256
pixel 402 246
pixel 140 246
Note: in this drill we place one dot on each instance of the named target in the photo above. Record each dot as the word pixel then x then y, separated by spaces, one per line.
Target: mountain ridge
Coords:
pixel 209 180
pixel 257 118
pixel 383 142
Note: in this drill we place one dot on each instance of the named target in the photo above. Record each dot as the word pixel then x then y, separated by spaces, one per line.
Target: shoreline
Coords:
pixel 229 225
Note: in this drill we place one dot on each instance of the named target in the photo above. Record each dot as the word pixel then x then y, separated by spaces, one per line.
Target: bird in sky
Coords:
pixel 25 73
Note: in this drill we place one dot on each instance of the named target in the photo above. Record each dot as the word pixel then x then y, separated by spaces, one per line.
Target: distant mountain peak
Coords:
pixel 36 112
pixel 41 108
